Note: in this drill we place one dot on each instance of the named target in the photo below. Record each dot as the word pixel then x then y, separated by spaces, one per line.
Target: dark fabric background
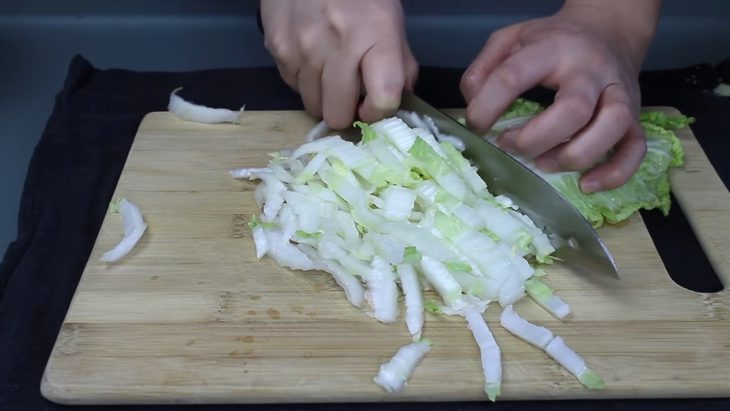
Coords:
pixel 82 151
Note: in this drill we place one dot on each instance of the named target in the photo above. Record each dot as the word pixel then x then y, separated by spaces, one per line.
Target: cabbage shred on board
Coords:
pixel 403 211
pixel 398 212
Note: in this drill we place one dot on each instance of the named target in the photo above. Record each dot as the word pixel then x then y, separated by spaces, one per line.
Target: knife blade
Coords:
pixel 576 241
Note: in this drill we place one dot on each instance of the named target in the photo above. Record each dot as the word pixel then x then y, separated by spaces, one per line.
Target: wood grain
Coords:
pixel 703 197
pixel 190 316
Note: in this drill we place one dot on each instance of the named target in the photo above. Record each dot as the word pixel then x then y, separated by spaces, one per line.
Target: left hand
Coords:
pixel 594 66
pixel 332 50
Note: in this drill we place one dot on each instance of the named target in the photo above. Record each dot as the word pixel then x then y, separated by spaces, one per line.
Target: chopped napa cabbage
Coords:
pixel 459 266
pixel 533 334
pixel 489 350
pixel 432 307
pixel 565 356
pixel 382 293
pixel 438 168
pixel 554 346
pixel 544 296
pixel 304 234
pixel 399 202
pixel 437 274
pixel 402 211
pixel 134 228
pixel 414 299
pixel 199 113
pixel 115 206
pixel 411 255
pixel 368 134
pixel 394 374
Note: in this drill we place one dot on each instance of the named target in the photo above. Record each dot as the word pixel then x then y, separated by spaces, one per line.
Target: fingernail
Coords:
pixel 468 86
pixel 590 186
pixel 548 165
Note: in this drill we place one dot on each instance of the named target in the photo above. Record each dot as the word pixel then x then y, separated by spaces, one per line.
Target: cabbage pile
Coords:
pixel 402 211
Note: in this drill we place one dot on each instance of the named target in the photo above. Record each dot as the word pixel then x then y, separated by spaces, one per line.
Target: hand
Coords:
pixel 593 64
pixel 329 50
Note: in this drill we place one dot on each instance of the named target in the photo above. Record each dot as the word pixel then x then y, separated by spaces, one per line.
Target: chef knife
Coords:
pixel 576 241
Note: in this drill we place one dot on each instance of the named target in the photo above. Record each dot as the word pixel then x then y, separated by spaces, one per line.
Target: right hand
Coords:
pixel 329 50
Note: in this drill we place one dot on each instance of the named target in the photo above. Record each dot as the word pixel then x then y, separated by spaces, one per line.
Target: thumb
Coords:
pixel 383 74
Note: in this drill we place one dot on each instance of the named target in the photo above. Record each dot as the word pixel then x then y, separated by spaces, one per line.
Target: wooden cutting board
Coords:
pixel 190 316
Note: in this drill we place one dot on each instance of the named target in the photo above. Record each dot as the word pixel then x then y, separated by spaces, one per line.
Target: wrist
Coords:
pixel 627 24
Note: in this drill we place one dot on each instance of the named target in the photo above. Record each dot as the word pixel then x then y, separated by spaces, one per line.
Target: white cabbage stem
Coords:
pixel 199 113
pixel 134 228
pixel 394 374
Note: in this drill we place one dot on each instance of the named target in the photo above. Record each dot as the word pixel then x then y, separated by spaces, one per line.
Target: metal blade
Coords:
pixel 575 239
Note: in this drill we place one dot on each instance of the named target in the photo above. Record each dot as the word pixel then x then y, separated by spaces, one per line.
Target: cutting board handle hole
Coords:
pixel 687 265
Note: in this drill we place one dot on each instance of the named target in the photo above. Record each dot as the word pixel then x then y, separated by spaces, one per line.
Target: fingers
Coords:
pixel 505 83
pixel 589 146
pixel 573 108
pixel 330 51
pixel 287 60
pixel 276 19
pixel 615 126
pixel 411 67
pixel 623 164
pixel 309 83
pixel 496 49
pixel 341 86
pixel 289 75
pixel 383 74
pixel 340 90
pixel 332 90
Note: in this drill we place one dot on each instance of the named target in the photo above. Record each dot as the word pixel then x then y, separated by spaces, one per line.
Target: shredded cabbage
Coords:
pixel 414 299
pixel 199 113
pixel 394 374
pixel 402 206
pixel 546 298
pixel 490 353
pixel 554 346
pixel 134 228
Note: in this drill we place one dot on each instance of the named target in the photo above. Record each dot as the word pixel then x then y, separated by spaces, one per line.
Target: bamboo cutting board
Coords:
pixel 190 316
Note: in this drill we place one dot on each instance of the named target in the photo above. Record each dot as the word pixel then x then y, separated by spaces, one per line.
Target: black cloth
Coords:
pixel 80 156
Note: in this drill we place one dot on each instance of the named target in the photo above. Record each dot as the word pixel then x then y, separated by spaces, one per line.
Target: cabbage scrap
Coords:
pixel 394 374
pixel 414 299
pixel 489 351
pixel 554 346
pixel 134 228
pixel 199 113
pixel 546 298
